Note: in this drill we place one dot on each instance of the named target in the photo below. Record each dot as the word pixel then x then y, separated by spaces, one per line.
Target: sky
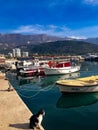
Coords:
pixel 63 18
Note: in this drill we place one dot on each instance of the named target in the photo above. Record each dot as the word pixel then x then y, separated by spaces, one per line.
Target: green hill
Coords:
pixel 67 47
pixel 63 47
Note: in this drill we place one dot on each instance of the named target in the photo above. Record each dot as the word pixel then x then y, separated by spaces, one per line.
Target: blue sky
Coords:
pixel 64 18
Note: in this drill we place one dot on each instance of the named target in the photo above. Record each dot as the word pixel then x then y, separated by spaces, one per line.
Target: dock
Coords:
pixel 14 114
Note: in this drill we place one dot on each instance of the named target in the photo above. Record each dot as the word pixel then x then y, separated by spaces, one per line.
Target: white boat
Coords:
pixel 86 84
pixel 61 68
pixel 91 57
pixel 31 70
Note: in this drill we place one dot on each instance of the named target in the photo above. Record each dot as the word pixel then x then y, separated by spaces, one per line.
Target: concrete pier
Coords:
pixel 14 114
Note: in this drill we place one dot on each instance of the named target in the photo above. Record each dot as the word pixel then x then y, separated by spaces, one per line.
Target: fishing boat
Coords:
pixel 28 71
pixel 86 84
pixel 91 57
pixel 61 68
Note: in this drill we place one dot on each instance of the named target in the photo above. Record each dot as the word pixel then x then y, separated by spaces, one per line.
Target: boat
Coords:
pixel 30 72
pixel 60 68
pixel 35 69
pixel 75 100
pixel 86 84
pixel 91 57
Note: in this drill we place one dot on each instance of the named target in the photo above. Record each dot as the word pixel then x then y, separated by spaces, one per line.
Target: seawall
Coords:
pixel 14 114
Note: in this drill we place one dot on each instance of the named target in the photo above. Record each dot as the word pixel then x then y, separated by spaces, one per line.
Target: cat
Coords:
pixel 36 120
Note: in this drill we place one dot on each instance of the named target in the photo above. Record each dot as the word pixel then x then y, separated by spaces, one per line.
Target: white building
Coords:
pixel 10 54
pixel 25 54
pixel 17 52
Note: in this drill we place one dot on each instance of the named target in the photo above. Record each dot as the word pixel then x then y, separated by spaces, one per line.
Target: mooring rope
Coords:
pixel 36 88
pixel 38 91
pixel 22 95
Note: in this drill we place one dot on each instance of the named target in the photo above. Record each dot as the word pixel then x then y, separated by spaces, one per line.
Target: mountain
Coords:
pixel 10 41
pixel 92 40
pixel 67 47
pixel 19 39
pixel 44 44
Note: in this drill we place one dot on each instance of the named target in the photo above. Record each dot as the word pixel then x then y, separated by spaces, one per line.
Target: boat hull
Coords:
pixel 31 72
pixel 79 85
pixel 59 71
pixel 67 89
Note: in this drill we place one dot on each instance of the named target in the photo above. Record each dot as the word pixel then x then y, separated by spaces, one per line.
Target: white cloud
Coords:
pixel 77 37
pixel 41 29
pixel 61 31
pixel 55 3
pixel 92 2
pixel 91 31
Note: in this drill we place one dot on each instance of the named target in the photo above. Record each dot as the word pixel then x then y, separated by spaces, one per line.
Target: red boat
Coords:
pixel 29 72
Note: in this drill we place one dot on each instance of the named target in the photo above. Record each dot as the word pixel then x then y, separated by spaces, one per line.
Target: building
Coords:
pixel 25 54
pixel 2 59
pixel 17 52
pixel 10 54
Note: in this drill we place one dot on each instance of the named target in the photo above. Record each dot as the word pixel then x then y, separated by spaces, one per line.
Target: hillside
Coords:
pixel 20 39
pixel 92 40
pixel 63 47
pixel 56 48
pixel 44 44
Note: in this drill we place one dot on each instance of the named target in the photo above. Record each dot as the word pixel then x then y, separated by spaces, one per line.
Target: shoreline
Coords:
pixel 14 114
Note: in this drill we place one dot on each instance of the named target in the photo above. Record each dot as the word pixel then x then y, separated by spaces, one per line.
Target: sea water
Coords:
pixel 63 112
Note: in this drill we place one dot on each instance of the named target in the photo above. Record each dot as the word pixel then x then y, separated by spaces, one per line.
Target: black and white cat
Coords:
pixel 36 120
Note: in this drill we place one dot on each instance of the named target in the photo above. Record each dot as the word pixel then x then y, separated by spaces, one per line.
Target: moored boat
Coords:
pixel 61 68
pixel 31 71
pixel 86 84
pixel 91 57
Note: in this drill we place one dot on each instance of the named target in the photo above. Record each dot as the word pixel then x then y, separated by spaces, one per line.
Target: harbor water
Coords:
pixel 62 112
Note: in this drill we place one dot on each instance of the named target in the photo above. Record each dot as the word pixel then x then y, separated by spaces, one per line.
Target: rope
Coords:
pixel 45 89
pixel 29 96
pixel 38 91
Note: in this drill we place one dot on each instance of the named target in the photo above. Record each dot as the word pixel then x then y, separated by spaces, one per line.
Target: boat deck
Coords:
pixel 77 83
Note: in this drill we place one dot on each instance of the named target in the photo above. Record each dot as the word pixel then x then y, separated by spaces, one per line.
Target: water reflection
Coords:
pixel 77 100
pixel 47 80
